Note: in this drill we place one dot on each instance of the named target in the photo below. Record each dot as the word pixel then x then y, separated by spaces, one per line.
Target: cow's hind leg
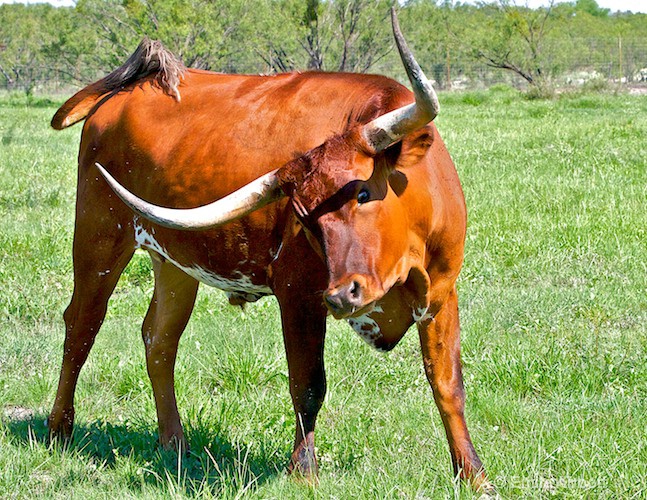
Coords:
pixel 167 316
pixel 99 259
pixel 440 341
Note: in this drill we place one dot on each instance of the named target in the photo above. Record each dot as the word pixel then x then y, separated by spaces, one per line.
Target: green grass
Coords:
pixel 553 302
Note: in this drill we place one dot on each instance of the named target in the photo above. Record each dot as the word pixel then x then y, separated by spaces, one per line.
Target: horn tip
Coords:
pixel 394 20
pixel 102 170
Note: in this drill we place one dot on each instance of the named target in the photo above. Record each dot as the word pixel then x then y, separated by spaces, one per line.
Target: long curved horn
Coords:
pixel 391 127
pixel 245 200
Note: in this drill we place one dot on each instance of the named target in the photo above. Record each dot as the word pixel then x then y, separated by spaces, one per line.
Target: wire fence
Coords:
pixel 582 60
pixel 619 61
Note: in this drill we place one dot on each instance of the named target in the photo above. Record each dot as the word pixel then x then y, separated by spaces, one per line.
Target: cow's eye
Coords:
pixel 363 196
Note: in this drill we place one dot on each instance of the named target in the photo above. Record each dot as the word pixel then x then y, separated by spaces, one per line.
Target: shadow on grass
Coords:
pixel 215 462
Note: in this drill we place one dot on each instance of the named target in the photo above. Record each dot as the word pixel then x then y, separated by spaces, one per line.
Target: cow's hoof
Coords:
pixel 303 465
pixel 482 485
pixel 60 426
pixel 176 443
pixel 306 477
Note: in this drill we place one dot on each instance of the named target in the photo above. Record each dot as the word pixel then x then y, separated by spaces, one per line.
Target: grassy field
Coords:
pixel 553 301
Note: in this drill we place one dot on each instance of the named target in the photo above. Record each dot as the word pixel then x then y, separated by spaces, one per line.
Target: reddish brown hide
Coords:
pixel 374 238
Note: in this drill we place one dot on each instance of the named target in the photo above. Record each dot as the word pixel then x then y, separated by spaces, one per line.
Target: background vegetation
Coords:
pixel 553 299
pixel 46 49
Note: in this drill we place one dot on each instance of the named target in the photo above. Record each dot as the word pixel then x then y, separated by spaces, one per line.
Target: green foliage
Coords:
pixel 474 98
pixel 203 33
pixel 515 41
pixel 595 85
pixel 24 99
pixel 344 35
pixel 24 32
pixel 45 49
pixel 591 7
pixel 539 92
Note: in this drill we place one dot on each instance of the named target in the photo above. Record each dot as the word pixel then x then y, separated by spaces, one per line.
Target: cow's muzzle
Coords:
pixel 344 300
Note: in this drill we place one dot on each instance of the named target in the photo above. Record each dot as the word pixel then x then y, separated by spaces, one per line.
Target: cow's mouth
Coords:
pixel 353 313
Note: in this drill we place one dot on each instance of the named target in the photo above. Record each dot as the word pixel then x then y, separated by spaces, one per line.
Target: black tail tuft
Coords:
pixel 149 58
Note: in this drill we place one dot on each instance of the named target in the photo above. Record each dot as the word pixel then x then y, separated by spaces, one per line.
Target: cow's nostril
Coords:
pixel 355 290
pixel 344 300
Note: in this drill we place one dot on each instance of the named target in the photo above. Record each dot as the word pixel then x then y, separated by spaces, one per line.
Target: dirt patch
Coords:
pixel 638 90
pixel 18 413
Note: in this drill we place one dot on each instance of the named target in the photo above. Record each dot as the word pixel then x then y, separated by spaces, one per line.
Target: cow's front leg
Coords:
pixel 304 328
pixel 440 341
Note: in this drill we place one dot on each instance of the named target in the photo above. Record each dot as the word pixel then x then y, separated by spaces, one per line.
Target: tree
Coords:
pixel 23 31
pixel 100 34
pixel 80 44
pixel 312 44
pixel 333 35
pixel 437 35
pixel 591 7
pixel 362 29
pixel 514 41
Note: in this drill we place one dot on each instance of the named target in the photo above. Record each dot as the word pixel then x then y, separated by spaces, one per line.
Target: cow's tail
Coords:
pixel 150 58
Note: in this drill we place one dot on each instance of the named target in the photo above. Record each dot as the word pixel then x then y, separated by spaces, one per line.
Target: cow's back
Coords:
pixel 228 129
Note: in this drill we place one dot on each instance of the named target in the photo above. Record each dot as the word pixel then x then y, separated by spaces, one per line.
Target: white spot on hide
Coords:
pixel 421 314
pixel 238 283
pixel 367 328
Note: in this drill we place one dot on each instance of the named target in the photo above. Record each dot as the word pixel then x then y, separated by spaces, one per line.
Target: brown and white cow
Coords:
pixel 368 224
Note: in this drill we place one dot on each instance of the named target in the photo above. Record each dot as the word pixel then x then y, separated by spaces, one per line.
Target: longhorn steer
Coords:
pixel 372 214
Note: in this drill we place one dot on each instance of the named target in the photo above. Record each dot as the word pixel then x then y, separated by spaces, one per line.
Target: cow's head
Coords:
pixel 345 194
pixel 346 200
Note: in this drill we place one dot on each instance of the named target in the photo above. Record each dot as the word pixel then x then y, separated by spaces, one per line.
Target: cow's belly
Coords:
pixel 237 285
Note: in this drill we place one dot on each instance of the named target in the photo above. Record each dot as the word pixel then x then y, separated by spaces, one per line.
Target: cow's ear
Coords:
pixel 415 146
pixel 392 154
